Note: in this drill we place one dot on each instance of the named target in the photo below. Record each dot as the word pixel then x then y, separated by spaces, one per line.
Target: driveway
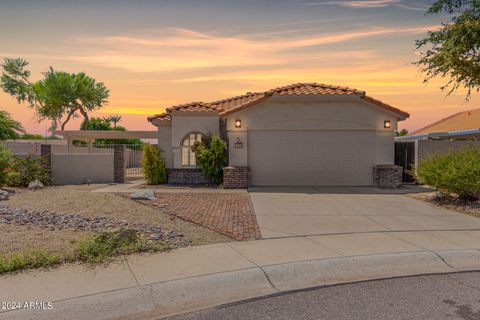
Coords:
pixel 299 211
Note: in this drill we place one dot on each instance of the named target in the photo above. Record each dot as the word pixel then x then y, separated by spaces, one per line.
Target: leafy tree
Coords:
pixel 454 50
pixel 105 124
pixel 58 95
pixel 211 157
pixel 9 128
pixel 402 133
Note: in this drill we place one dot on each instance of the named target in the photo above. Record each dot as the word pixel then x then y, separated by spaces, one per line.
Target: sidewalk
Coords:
pixel 198 277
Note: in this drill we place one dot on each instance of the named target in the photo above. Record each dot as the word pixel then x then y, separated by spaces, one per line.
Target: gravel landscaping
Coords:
pixel 472 208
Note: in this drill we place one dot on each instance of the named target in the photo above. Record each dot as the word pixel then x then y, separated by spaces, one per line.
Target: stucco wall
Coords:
pixel 312 114
pixel 75 168
pixel 185 124
pixel 425 148
pixel 165 143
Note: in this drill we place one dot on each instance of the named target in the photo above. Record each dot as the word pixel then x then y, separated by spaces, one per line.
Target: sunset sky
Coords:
pixel 153 54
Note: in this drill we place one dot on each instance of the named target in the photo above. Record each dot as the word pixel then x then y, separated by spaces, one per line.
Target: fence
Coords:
pixel 80 163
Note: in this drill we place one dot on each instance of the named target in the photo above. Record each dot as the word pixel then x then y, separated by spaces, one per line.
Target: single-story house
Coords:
pixel 298 135
pixel 463 125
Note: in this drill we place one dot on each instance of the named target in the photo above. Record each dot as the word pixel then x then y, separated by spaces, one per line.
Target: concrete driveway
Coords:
pixel 300 211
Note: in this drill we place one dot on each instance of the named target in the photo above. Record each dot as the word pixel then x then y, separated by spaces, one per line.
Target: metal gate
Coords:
pixel 405 157
pixel 133 157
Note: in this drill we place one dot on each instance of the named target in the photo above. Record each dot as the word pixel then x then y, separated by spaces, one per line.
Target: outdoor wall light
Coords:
pixel 387 124
pixel 238 144
pixel 238 123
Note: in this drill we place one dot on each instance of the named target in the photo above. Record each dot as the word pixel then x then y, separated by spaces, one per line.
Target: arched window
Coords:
pixel 188 156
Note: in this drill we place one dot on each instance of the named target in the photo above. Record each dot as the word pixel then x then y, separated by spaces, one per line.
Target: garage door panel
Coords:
pixel 300 158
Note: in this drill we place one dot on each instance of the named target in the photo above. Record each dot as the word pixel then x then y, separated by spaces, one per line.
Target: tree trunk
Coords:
pixel 70 114
pixel 85 116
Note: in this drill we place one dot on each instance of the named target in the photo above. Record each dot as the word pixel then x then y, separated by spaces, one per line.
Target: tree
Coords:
pixel 116 118
pixel 105 124
pixel 58 95
pixel 454 50
pixel 9 128
pixel 401 133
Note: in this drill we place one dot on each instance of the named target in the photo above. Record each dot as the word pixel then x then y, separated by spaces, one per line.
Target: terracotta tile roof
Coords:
pixel 312 89
pixel 464 120
pixel 192 106
pixel 162 116
pixel 385 106
pixel 234 103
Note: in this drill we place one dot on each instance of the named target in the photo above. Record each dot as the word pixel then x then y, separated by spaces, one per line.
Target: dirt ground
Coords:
pixel 80 200
pixel 470 208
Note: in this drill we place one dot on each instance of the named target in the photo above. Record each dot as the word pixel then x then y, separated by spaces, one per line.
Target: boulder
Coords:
pixel 35 185
pixel 143 195
pixel 4 195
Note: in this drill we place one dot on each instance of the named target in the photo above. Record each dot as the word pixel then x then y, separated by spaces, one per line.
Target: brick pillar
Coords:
pixel 236 177
pixel 46 154
pixel 119 163
pixel 387 176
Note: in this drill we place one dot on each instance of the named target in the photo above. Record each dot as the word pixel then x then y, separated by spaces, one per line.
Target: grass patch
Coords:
pixel 102 248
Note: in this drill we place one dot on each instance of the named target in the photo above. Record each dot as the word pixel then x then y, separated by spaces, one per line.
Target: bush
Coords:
pixel 211 157
pixel 455 172
pixel 5 160
pixel 30 259
pixel 153 165
pixel 30 169
pixel 13 179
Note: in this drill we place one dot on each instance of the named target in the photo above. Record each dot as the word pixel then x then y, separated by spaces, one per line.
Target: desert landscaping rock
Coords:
pixel 53 221
pixel 4 195
pixel 143 195
pixel 35 185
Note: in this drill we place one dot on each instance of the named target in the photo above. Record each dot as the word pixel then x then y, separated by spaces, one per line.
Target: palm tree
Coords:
pixel 116 118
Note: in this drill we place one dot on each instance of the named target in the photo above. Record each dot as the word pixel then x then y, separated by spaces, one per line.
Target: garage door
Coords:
pixel 306 158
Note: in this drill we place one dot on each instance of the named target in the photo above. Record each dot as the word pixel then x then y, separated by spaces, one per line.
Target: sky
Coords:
pixel 154 54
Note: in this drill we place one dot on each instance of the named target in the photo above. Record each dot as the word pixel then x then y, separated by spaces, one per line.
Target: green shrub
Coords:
pixel 153 165
pixel 455 172
pixel 5 160
pixel 29 259
pixel 110 244
pixel 13 179
pixel 30 169
pixel 211 157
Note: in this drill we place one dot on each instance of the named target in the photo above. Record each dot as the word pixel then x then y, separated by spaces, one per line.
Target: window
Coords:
pixel 188 156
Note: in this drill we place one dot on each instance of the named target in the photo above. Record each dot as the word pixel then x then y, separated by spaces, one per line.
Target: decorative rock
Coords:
pixel 4 195
pixel 35 185
pixel 143 195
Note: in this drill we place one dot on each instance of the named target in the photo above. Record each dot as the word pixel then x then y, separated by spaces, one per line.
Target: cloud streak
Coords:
pixel 366 4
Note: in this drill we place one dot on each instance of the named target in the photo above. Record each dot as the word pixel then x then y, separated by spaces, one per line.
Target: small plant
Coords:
pixel 109 244
pixel 29 259
pixel 211 157
pixel 153 165
pixel 13 179
pixel 30 169
pixel 455 172
pixel 5 160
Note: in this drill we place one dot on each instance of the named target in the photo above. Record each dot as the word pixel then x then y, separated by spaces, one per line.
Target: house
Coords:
pixel 463 125
pixel 298 135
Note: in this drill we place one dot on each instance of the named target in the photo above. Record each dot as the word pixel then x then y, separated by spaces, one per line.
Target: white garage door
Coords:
pixel 306 158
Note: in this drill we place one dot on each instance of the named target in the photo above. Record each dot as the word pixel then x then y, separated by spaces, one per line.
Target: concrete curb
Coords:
pixel 189 294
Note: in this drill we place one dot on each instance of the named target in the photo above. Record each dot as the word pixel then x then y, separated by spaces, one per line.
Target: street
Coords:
pixel 446 296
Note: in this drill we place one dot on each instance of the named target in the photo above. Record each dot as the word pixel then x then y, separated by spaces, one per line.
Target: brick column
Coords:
pixel 119 163
pixel 387 176
pixel 46 154
pixel 236 177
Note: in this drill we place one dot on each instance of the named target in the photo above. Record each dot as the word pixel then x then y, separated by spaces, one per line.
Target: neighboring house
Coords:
pixel 298 135
pixel 463 125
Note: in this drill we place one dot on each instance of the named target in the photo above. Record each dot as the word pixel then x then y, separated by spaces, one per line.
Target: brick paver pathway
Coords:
pixel 230 214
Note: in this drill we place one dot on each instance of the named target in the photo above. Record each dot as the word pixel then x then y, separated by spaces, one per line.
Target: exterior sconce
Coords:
pixel 238 123
pixel 238 144
pixel 387 124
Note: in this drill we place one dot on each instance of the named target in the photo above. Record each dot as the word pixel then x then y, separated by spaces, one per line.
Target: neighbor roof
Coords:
pixel 237 103
pixel 464 120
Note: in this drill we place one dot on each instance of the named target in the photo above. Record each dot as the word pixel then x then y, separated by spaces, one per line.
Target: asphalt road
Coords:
pixel 436 297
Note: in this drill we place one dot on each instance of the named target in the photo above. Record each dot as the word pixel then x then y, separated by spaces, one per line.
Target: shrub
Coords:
pixel 153 165
pixel 13 179
pixel 5 160
pixel 29 259
pixel 455 172
pixel 211 157
pixel 30 169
